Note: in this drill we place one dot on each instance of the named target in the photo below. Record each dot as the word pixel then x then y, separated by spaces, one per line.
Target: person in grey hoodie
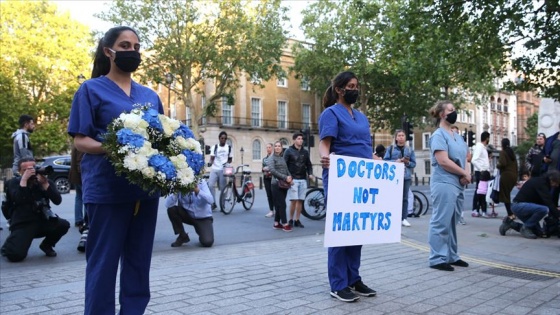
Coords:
pixel 22 145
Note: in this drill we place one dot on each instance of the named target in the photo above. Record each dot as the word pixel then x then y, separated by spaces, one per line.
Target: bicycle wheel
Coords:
pixel 417 207
pixel 227 198
pixel 249 198
pixel 424 199
pixel 314 207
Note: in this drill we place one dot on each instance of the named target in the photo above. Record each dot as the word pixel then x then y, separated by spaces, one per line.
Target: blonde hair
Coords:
pixel 437 109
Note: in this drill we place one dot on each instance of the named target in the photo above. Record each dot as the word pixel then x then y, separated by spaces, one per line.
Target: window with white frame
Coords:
pixel 426 140
pixel 227 112
pixel 188 117
pixel 305 84
pixel 257 154
pixel 463 116
pixel 282 82
pixel 255 112
pixel 282 114
pixel 203 103
pixel 306 115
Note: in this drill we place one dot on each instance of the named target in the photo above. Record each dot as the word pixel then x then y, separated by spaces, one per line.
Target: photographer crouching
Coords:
pixel 28 200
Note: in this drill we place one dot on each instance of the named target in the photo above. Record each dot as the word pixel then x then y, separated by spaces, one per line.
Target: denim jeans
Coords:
pixel 78 205
pixel 530 213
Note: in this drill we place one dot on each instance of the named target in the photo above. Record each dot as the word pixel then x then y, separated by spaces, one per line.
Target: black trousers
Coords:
pixel 279 196
pixel 204 227
pixel 475 203
pixel 268 188
pixel 17 244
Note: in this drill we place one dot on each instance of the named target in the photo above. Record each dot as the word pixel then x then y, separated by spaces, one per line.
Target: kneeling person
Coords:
pixel 193 209
pixel 31 216
pixel 532 203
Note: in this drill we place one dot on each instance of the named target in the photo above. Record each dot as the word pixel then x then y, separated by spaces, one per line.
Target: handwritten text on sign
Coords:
pixel 364 201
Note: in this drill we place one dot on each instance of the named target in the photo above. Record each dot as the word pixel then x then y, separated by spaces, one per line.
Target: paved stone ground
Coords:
pixel 508 275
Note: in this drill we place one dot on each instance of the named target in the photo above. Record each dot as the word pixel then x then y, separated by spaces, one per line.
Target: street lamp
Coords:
pixel 169 81
pixel 242 151
pixel 81 78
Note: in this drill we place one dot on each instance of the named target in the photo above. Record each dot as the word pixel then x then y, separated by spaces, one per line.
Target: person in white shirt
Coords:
pixel 480 162
pixel 220 154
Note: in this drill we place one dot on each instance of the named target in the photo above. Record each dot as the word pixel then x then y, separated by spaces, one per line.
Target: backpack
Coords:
pixel 7 203
pixel 216 149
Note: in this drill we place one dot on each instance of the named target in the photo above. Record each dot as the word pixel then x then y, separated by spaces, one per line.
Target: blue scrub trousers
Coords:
pixel 344 266
pixel 442 235
pixel 117 235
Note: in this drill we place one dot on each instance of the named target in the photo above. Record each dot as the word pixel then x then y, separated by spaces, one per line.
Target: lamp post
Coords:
pixel 169 81
pixel 81 78
pixel 242 151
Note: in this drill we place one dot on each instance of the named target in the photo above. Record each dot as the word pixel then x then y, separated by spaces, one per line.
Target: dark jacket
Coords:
pixel 548 151
pixel 298 162
pixel 536 190
pixel 24 198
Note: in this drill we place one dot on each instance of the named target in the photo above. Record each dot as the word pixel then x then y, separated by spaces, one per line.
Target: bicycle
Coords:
pixel 423 205
pixel 229 195
pixel 314 202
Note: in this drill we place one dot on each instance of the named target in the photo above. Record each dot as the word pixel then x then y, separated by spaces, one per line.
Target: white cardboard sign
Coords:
pixel 364 201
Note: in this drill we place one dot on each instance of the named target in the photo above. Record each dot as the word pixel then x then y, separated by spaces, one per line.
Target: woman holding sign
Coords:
pixel 344 131
pixel 450 175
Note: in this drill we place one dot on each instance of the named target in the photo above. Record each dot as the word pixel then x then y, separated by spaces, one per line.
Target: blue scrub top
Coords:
pixel 96 104
pixel 350 136
pixel 456 148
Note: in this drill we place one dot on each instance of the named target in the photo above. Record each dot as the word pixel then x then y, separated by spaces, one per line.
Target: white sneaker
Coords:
pixel 405 223
pixel 270 214
pixel 484 215
pixel 462 221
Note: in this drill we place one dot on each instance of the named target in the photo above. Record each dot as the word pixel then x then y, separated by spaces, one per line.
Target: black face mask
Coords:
pixel 127 60
pixel 451 117
pixel 351 96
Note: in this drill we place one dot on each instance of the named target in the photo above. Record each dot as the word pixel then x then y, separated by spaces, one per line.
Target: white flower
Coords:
pixel 135 123
pixel 149 172
pixel 146 150
pixel 133 161
pixel 194 145
pixel 182 143
pixel 167 124
pixel 185 176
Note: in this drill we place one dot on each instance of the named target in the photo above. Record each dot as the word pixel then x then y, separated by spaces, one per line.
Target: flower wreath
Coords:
pixel 154 151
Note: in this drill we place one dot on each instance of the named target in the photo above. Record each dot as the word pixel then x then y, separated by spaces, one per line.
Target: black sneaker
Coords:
pixel 214 206
pixel 361 289
pixel 527 233
pixel 181 239
pixel 345 295
pixel 298 223
pixel 291 223
pixel 48 250
pixel 505 226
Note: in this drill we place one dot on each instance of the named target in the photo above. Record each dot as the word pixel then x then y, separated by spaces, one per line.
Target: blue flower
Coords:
pixel 128 137
pixel 195 160
pixel 183 131
pixel 162 164
pixel 151 116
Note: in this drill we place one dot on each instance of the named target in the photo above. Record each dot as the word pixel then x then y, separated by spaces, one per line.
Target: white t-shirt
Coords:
pixel 221 156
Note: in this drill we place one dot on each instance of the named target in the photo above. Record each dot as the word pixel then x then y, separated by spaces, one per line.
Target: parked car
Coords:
pixel 61 170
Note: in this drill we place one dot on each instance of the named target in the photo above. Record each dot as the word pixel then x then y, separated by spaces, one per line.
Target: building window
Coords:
pixel 282 114
pixel 305 84
pixel 306 116
pixel 282 82
pixel 227 112
pixel 257 154
pixel 255 112
pixel 428 166
pixel 426 141
pixel 463 116
pixel 203 104
pixel 471 116
pixel 188 117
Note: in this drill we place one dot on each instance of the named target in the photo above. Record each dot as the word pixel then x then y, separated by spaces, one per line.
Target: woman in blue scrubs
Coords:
pixel 122 217
pixel 344 131
pixel 449 177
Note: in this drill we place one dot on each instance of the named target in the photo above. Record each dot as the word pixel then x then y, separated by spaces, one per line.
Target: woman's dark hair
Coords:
pixel 340 82
pixel 485 176
pixel 507 148
pixel 101 63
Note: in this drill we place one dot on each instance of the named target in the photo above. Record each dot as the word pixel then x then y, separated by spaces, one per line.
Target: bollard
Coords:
pixel 260 182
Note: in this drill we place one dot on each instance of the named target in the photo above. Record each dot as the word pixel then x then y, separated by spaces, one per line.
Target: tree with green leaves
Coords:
pixel 205 42
pixel 405 55
pixel 43 52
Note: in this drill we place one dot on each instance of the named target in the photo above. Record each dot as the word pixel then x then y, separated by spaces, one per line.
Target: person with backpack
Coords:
pixel 220 155
pixel 22 145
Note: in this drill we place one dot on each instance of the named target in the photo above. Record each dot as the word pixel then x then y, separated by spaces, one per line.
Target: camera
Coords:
pixel 43 206
pixel 45 171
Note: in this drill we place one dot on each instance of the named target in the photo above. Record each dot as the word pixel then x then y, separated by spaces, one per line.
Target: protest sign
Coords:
pixel 364 201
